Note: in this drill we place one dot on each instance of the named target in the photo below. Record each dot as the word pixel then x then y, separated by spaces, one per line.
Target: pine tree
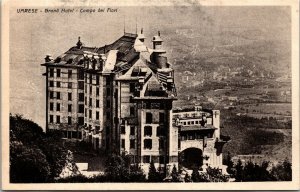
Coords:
pixel 239 171
pixel 229 163
pixel 153 175
pixel 187 178
pixel 195 175
pixel 174 174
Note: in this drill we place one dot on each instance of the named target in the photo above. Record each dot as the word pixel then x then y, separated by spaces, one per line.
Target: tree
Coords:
pixel 153 175
pixel 115 169
pixel 229 163
pixel 249 173
pixel 187 178
pixel 175 175
pixel 27 164
pixel 119 169
pixel 36 152
pixel 215 175
pixel 239 171
pixel 136 174
pixel 282 171
pixel 195 175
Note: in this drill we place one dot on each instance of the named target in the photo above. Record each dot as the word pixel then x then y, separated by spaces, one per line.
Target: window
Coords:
pixel 148 131
pixel 91 102
pixel 90 114
pixel 123 143
pixel 80 120
pixel 51 106
pixel 51 94
pixel 81 74
pixel 160 131
pixel 148 144
pixel 189 122
pixel 69 73
pixel 85 112
pixel 91 90
pixel 131 111
pixel 85 100
pixel 51 72
pixel 97 115
pixel 57 95
pixel 51 84
pixel 148 117
pixel 91 78
pixel 81 97
pixel 132 87
pixel 70 85
pixel 57 72
pixel 146 159
pixel 192 122
pixel 97 128
pixel 97 102
pixel 107 115
pixel 97 91
pixel 57 119
pixel 70 96
pixel 132 130
pixel 161 159
pixel 80 85
pixel 123 130
pixel 51 119
pixel 58 107
pixel 58 84
pixel 97 80
pixel 81 108
pixel 69 108
pixel 107 81
pixel 184 123
pixel 69 120
pixel 108 91
pixel 161 144
pixel 161 117
pixel 132 143
pixel 85 88
pixel 108 103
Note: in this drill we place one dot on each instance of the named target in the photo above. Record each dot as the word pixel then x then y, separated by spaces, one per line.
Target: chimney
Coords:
pixel 79 44
pixel 48 58
pixel 94 61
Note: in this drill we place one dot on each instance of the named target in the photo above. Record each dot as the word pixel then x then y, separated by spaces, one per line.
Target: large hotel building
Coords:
pixel 119 98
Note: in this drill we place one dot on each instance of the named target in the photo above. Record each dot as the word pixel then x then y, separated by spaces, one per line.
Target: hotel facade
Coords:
pixel 119 97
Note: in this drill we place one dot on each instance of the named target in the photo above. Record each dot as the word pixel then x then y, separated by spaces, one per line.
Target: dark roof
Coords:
pixel 125 48
pixel 124 45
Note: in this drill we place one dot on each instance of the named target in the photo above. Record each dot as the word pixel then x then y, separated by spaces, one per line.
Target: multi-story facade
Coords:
pixel 200 141
pixel 118 97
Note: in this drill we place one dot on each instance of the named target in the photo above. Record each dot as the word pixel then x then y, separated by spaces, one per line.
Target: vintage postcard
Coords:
pixel 161 95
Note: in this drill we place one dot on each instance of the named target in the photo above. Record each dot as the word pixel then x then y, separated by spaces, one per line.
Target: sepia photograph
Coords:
pixel 170 95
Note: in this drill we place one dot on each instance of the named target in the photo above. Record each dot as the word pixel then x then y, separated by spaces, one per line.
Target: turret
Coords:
pixel 158 56
pixel 157 42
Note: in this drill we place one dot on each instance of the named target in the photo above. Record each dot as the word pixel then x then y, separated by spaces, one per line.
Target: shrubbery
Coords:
pixel 34 155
